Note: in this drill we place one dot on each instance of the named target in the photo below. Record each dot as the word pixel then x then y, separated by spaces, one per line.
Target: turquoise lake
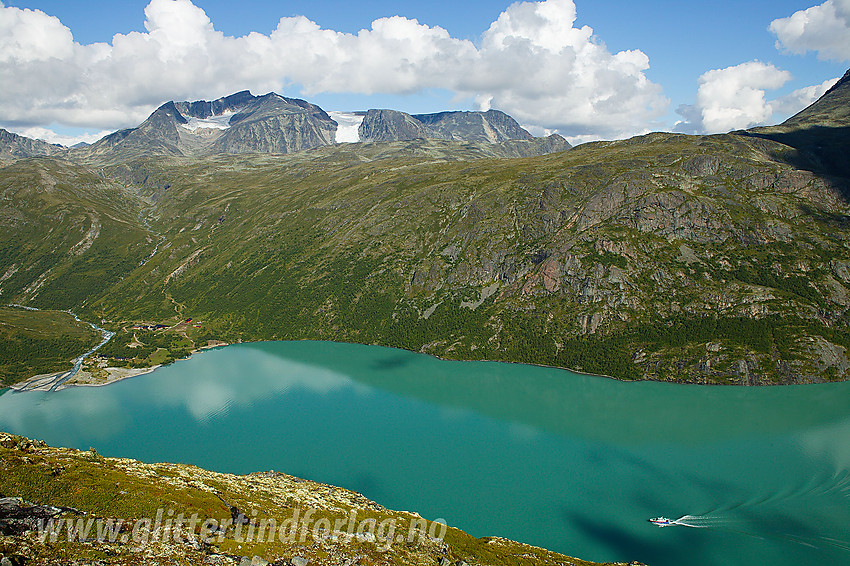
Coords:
pixel 573 463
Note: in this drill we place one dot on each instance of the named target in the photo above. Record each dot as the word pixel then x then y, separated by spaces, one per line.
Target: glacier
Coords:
pixel 348 122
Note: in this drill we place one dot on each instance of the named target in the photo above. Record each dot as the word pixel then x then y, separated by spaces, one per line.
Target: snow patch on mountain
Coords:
pixel 219 122
pixel 348 122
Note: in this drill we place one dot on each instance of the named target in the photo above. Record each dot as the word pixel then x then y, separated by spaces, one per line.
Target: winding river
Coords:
pixel 52 382
pixel 570 462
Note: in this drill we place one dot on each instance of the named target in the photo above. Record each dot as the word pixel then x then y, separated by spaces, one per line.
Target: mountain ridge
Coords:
pixel 830 108
pixel 254 124
pixel 492 126
pixel 14 146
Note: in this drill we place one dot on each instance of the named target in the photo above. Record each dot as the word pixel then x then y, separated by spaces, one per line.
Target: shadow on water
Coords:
pixel 392 363
pixel 731 490
pixel 367 483
pixel 624 542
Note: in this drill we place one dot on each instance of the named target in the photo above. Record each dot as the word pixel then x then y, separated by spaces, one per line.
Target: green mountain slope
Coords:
pixel 66 234
pixel 830 110
pixel 720 259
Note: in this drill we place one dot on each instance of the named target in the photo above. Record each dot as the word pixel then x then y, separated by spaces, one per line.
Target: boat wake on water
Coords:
pixel 763 530
pixel 792 514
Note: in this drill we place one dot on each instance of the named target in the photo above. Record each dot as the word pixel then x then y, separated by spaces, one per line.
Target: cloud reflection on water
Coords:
pixel 200 391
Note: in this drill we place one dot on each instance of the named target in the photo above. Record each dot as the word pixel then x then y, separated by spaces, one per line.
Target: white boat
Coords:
pixel 662 521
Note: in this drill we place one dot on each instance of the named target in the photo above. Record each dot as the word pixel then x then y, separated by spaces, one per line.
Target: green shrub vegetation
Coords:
pixel 35 342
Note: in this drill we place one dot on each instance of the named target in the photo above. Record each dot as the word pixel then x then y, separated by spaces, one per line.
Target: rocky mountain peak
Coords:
pixel 167 112
pixel 492 126
pixel 205 109
pixel 392 125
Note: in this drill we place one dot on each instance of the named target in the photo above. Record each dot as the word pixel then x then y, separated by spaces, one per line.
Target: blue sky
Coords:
pixel 645 67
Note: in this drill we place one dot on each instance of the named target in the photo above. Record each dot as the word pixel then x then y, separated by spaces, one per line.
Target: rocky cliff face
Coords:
pixel 392 125
pixel 274 124
pixel 206 109
pixel 492 126
pixel 13 146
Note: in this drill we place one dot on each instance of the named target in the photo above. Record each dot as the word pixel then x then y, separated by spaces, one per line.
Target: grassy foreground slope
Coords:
pixel 130 491
pixel 720 259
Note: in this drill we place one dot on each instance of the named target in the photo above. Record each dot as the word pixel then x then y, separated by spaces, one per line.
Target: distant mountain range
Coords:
pixel 273 124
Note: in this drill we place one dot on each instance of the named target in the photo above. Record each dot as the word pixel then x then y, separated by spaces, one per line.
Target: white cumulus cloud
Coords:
pixel 30 35
pixel 542 70
pixel 802 97
pixel 48 135
pixel 824 28
pixel 736 97
pixel 532 62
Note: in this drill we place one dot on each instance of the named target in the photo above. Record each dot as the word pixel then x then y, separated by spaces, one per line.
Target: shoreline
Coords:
pixel 114 375
pixel 118 374
pixel 133 372
pixel 21 387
